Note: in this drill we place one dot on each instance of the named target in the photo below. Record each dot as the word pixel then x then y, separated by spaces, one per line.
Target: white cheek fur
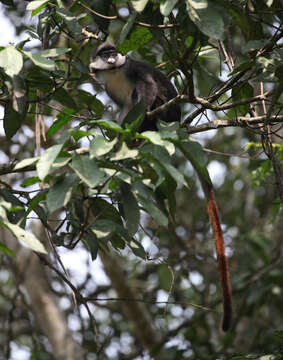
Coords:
pixel 99 64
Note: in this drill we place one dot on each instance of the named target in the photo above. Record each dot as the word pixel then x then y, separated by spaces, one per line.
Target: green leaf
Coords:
pixel 71 20
pixel 61 160
pixel 243 66
pixel 60 193
pixel 33 204
pixel 100 146
pixel 168 188
pixel 26 162
pixel 127 27
pixel 63 97
pixel 40 60
pixel 266 69
pixel 139 5
pixel 46 160
pixel 7 251
pixel 168 130
pixel 131 208
pixel 207 17
pixel 53 52
pixel 11 60
pixel 124 153
pixel 250 28
pixel 13 206
pixel 165 277
pixel 90 100
pixel 61 120
pixel 77 134
pixel 155 138
pixel 19 98
pixel 153 211
pixel 195 154
pixel 90 241
pixel 33 5
pixel 135 116
pixel 27 238
pixel 139 37
pixel 87 170
pixel 166 6
pixel 110 125
pixel 12 120
pixel 4 205
pixel 138 249
pixel 163 160
pixel 103 229
pixel 30 181
pixel 253 45
pixel 101 208
pixel 241 92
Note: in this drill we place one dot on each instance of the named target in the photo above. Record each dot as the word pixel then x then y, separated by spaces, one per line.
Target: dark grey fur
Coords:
pixel 140 81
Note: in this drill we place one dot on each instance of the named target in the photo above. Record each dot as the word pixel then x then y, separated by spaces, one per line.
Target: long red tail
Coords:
pixel 213 214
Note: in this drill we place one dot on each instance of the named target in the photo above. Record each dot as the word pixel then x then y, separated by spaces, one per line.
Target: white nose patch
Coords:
pixel 111 60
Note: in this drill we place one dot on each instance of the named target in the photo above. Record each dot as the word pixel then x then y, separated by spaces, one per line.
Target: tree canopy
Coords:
pixel 74 181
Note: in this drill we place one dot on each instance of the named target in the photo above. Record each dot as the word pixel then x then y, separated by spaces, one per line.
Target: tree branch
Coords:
pixel 240 121
pixel 205 104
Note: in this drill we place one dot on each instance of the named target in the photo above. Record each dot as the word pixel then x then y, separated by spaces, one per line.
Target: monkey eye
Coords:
pixel 108 54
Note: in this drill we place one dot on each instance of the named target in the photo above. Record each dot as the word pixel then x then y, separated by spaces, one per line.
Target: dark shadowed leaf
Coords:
pixel 87 170
pixel 130 207
pixel 12 120
pixel 207 17
pixel 60 193
pixel 91 242
pixel 165 277
pixel 7 251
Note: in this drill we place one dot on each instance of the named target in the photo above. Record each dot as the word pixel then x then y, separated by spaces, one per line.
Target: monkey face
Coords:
pixel 106 57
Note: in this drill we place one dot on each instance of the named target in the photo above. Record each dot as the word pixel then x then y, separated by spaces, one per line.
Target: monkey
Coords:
pixel 127 81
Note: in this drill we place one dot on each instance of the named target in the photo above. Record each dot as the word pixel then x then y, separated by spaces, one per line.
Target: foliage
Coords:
pixel 113 189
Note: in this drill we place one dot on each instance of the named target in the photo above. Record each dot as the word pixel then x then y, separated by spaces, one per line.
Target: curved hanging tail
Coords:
pixel 213 214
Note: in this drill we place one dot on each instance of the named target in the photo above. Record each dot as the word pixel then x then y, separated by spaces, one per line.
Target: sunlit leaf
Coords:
pixel 41 61
pixel 156 139
pixel 26 162
pixel 139 5
pixel 124 153
pixel 166 6
pixel 27 238
pixel 46 160
pixel 11 60
pixel 100 146
pixel 33 5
